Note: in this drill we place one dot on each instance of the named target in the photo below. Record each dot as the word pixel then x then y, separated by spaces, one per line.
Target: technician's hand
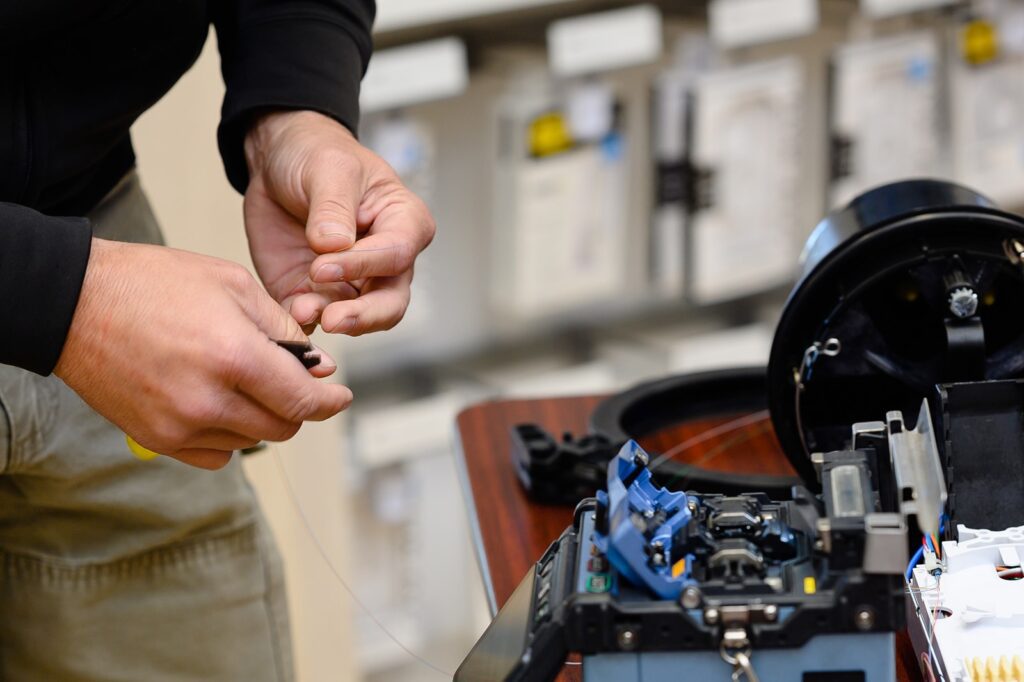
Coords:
pixel 176 349
pixel 332 231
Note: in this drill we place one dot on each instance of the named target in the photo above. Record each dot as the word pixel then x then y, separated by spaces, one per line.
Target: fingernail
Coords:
pixel 328 273
pixel 345 325
pixel 326 361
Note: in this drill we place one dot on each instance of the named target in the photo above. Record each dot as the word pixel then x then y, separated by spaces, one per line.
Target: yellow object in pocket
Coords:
pixel 145 454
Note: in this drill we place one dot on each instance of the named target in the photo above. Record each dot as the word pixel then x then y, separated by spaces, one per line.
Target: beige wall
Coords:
pixel 182 173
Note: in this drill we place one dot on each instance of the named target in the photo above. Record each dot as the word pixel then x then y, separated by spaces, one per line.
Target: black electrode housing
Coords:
pixel 911 285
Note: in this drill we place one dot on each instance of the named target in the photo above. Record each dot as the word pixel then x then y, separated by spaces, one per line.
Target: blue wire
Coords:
pixel 914 561
pixel 919 554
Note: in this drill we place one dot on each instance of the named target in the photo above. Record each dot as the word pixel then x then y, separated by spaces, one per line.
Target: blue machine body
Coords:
pixel 642 522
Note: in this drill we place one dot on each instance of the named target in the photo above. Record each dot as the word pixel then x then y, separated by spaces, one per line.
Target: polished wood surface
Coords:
pixel 513 531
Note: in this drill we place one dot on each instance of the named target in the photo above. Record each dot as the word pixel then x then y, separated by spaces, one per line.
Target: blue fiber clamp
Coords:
pixel 641 523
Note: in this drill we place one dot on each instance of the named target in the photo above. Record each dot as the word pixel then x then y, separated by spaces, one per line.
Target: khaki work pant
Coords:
pixel 116 569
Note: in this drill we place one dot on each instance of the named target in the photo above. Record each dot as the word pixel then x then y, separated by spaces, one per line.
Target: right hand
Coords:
pixel 178 350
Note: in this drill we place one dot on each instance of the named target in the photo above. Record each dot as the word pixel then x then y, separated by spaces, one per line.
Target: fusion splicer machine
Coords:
pixel 650 584
pixel 911 303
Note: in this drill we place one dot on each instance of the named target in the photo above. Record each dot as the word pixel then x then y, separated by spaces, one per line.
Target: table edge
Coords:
pixel 474 523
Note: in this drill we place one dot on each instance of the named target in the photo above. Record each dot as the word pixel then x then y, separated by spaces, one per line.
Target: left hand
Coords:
pixel 332 231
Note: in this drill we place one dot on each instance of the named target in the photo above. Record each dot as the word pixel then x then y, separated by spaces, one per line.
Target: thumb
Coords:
pixel 334 192
pixel 274 321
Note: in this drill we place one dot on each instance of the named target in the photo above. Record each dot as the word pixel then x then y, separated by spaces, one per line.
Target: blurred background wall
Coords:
pixel 622 191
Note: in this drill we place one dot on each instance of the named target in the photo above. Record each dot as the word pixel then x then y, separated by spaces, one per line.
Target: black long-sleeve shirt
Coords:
pixel 74 76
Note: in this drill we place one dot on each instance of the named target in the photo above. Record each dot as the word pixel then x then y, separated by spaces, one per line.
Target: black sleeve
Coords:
pixel 302 54
pixel 42 265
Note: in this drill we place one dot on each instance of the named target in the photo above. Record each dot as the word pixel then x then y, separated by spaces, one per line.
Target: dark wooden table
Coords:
pixel 511 532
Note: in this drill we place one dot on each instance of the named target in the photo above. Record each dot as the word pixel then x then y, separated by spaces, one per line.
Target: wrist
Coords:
pixel 264 131
pixel 268 128
pixel 85 324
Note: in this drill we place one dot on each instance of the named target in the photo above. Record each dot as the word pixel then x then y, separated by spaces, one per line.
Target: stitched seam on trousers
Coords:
pixel 268 608
pixel 58 572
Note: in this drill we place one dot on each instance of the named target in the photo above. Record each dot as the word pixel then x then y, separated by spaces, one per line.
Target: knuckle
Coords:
pixel 236 276
pixel 397 316
pixel 333 206
pixel 430 230
pixel 198 412
pixel 300 408
pixel 404 255
pixel 427 222
pixel 232 360
pixel 168 435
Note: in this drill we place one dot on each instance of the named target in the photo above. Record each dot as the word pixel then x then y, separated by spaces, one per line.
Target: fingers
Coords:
pixel 216 420
pixel 401 230
pixel 326 368
pixel 203 458
pixel 222 440
pixel 380 307
pixel 335 188
pixel 241 423
pixel 272 376
pixel 378 255
pixel 307 307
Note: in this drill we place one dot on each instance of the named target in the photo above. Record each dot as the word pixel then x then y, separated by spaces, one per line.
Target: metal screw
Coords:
pixel 771 612
pixel 692 506
pixel 711 616
pixel 865 618
pixel 641 459
pixel 627 640
pixel 691 598
pixel 1014 250
pixel 819 545
pixel 963 302
pixel 658 553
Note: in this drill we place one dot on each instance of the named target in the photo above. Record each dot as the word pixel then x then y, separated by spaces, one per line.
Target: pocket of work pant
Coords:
pixel 28 408
pixel 202 609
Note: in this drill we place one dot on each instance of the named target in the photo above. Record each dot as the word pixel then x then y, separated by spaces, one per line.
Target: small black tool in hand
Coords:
pixel 304 351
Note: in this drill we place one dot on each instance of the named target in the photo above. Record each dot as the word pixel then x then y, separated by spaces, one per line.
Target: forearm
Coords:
pixel 42 264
